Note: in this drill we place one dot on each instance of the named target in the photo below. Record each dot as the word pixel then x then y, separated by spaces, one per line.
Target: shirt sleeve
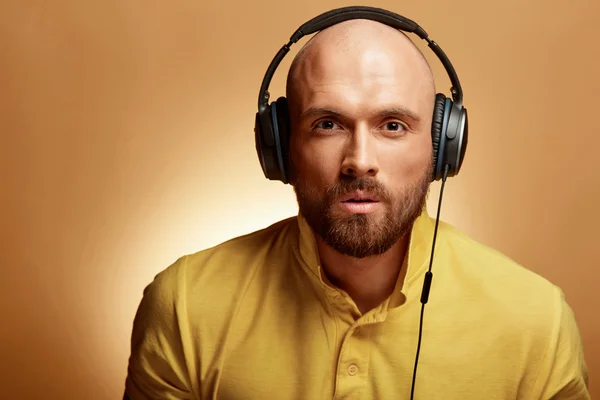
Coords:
pixel 565 374
pixel 156 368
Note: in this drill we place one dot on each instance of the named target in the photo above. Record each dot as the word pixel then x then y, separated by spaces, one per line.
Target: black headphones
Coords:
pixel 449 130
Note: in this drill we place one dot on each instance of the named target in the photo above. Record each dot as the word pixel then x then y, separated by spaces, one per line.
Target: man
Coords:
pixel 326 304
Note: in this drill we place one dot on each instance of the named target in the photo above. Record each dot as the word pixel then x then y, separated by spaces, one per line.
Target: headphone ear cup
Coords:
pixel 455 138
pixel 283 131
pixel 263 149
pixel 437 134
pixel 267 142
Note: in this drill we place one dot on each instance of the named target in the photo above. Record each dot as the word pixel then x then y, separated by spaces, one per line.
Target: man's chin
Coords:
pixel 358 247
pixel 358 237
pixel 353 225
pixel 340 215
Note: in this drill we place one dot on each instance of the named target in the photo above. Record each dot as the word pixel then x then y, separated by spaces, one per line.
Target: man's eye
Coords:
pixel 326 125
pixel 394 126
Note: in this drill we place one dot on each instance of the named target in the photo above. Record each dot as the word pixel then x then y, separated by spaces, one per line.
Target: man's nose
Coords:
pixel 360 157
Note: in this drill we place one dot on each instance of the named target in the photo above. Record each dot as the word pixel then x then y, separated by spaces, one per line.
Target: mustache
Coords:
pixel 348 185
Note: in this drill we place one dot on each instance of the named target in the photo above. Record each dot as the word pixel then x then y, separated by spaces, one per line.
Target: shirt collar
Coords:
pixel 415 263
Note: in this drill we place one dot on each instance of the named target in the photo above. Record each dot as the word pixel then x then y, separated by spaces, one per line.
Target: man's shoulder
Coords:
pixel 497 276
pixel 527 312
pixel 499 289
pixel 227 265
pixel 486 260
pixel 242 249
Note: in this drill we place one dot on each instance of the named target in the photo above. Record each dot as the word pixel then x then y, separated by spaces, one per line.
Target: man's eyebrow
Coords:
pixel 318 111
pixel 401 112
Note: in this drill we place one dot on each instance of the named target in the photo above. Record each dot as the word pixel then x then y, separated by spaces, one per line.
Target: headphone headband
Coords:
pixel 338 15
pixel 449 127
pixel 335 16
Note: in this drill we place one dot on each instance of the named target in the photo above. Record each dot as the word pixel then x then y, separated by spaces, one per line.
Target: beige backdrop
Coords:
pixel 127 141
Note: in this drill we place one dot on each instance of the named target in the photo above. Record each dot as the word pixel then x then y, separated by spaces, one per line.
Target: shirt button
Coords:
pixel 352 370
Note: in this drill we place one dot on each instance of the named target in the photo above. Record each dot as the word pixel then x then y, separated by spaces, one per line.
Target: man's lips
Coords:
pixel 359 196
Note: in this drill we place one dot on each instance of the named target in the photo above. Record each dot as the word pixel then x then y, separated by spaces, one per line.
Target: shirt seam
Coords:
pixel 556 325
pixel 219 362
pixel 183 299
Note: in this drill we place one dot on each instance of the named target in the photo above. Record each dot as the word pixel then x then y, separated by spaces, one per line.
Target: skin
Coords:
pixel 361 99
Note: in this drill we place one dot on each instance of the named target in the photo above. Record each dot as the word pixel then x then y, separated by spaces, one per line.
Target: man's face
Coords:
pixel 360 148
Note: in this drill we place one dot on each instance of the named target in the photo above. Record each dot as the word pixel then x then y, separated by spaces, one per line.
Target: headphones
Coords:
pixel 449 129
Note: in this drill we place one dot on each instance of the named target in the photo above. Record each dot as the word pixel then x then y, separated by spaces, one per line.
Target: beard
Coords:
pixel 362 235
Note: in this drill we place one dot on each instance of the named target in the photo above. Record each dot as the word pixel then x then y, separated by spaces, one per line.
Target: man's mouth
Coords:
pixel 359 197
pixel 359 201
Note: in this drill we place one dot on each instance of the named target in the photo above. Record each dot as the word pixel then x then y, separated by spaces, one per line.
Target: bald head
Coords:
pixel 359 46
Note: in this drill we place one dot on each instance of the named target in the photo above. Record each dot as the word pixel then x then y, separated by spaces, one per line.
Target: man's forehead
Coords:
pixel 360 53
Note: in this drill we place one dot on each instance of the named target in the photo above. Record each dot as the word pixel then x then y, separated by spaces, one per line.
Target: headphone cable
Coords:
pixel 427 282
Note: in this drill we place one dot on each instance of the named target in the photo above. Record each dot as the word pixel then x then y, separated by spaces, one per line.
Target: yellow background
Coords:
pixel 127 140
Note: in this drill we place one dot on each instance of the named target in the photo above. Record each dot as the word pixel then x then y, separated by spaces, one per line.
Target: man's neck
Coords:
pixel 368 281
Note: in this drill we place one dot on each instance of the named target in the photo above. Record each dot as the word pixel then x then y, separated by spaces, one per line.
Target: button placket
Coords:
pixel 353 363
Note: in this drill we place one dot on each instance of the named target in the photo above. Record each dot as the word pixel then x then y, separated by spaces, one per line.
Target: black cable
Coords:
pixel 427 283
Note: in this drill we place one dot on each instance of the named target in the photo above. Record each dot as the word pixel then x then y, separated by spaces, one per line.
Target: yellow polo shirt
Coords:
pixel 253 319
